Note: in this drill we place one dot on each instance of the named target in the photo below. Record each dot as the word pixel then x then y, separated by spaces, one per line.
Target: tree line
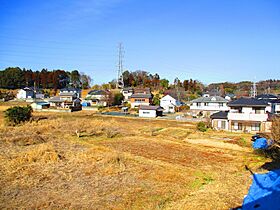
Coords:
pixel 15 78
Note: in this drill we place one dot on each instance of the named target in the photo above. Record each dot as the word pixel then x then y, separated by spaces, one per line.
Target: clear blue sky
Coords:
pixel 208 40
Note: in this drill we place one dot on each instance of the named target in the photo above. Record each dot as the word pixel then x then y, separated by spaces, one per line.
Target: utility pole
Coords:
pixel 120 83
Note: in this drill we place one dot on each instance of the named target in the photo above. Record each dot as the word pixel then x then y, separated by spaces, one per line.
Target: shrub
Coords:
pixel 18 114
pixel 201 126
pixel 274 150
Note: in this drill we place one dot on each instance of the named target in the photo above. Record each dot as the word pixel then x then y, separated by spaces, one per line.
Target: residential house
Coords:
pixel 141 96
pixel 39 96
pixel 219 120
pixel 127 92
pixel 208 105
pixel 272 100
pixel 40 105
pixel 66 100
pixel 150 111
pixel 137 100
pixel 230 96
pixel 99 97
pixel 72 90
pixel 169 103
pixel 26 93
pixel 249 115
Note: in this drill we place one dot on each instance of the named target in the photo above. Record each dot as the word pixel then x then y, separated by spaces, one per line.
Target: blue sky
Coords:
pixel 208 40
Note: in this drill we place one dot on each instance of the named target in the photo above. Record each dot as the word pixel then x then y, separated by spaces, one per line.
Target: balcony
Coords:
pixel 247 117
pixel 209 108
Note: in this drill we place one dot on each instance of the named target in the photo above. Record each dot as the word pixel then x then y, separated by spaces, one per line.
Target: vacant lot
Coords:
pixel 85 161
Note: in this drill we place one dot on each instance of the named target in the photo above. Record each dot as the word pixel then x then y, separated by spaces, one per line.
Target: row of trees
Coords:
pixel 15 77
pixel 243 88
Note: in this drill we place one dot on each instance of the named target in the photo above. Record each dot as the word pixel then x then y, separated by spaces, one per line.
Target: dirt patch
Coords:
pixel 217 144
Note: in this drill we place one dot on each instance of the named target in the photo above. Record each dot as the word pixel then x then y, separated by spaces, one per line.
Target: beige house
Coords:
pixel 245 115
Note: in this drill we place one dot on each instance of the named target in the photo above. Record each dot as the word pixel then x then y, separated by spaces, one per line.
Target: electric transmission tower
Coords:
pixel 120 83
pixel 254 90
pixel 176 83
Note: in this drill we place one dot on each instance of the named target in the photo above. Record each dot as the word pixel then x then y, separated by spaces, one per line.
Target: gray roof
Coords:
pixel 266 96
pixel 67 94
pixel 141 96
pixel 247 102
pixel 220 115
pixel 157 108
pixel 209 99
pixel 69 89
pixel 56 99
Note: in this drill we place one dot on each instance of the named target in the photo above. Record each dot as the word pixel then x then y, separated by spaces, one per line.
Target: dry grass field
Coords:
pixel 85 161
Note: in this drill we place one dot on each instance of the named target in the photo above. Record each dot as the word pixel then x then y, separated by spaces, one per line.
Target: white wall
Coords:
pixel 247 117
pixel 211 107
pixel 168 104
pixel 22 94
pixel 126 94
pixel 147 113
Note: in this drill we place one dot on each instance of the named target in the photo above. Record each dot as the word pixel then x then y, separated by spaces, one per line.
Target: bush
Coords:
pixel 201 126
pixel 118 98
pixel 18 114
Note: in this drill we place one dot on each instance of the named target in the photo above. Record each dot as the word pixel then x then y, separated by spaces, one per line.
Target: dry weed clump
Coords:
pixel 43 153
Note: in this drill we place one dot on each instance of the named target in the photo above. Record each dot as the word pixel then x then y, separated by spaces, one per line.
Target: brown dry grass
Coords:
pixel 119 163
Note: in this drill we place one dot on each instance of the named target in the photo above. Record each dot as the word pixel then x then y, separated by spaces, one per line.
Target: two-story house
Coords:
pixel 26 93
pixel 141 96
pixel 71 90
pixel 99 97
pixel 169 103
pixel 244 115
pixel 66 100
pixel 208 105
pixel 272 100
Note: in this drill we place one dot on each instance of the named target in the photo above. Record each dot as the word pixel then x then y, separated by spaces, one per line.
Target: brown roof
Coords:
pixel 157 108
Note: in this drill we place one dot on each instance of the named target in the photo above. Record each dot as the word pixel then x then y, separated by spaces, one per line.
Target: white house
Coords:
pixel 272 100
pixel 150 111
pixel 127 92
pixel 40 105
pixel 26 93
pixel 169 103
pixel 208 105
pixel 71 90
pixel 98 97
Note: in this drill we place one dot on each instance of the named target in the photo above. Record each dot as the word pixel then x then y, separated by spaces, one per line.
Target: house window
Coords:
pixel 146 112
pixel 198 104
pixel 237 126
pixel 221 104
pixel 206 104
pixel 256 127
pixel 139 100
pixel 258 110
pixel 223 124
